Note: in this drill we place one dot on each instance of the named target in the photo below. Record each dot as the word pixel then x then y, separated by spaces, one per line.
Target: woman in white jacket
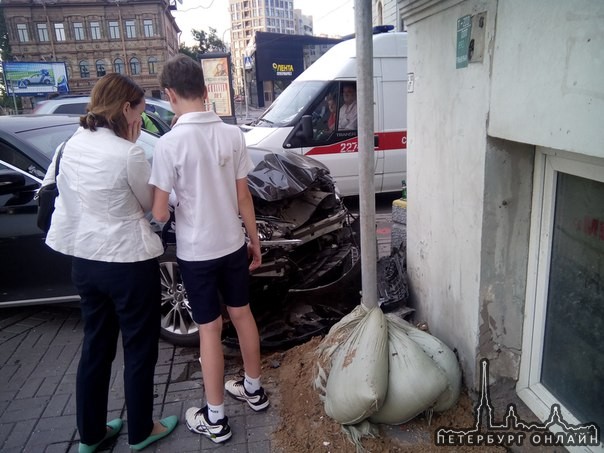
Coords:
pixel 99 220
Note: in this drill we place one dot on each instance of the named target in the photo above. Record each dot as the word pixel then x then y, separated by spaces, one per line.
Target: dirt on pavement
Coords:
pixel 306 428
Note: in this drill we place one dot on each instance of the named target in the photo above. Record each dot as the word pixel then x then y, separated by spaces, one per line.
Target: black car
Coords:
pixel 309 279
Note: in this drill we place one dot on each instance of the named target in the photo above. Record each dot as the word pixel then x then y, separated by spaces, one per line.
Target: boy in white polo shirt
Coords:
pixel 205 162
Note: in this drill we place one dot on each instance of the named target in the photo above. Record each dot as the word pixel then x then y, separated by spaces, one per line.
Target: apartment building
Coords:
pixel 94 37
pixel 249 16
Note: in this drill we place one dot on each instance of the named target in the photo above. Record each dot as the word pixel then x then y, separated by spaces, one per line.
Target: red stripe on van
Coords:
pixel 386 141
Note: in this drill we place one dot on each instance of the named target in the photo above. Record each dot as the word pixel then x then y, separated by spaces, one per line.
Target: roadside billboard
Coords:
pixel 217 76
pixel 23 78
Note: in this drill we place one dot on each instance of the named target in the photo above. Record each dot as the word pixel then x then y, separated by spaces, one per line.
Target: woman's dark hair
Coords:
pixel 183 75
pixel 107 99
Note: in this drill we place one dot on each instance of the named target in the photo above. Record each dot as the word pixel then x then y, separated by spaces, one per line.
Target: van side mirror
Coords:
pixel 306 127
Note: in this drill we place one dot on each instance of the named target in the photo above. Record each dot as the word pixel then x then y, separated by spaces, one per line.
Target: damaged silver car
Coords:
pixel 310 273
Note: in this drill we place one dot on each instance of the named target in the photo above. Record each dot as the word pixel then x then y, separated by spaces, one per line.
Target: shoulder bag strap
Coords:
pixel 59 159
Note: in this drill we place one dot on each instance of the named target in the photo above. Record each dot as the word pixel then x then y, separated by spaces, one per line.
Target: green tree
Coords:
pixel 208 42
pixel 5 55
pixel 190 51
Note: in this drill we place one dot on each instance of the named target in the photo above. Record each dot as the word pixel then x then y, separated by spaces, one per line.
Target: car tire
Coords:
pixel 47 81
pixel 177 325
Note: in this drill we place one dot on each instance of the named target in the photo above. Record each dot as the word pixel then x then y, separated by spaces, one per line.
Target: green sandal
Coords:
pixel 114 426
pixel 169 422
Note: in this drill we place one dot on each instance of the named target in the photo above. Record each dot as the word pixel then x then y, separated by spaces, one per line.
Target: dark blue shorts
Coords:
pixel 205 280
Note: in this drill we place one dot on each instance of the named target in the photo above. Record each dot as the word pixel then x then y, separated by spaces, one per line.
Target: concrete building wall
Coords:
pixel 472 137
pixel 549 59
pixel 447 125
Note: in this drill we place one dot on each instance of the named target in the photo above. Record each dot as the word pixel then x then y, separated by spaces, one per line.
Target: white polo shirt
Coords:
pixel 103 195
pixel 201 159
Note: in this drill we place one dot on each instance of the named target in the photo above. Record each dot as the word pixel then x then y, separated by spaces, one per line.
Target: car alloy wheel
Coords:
pixel 177 325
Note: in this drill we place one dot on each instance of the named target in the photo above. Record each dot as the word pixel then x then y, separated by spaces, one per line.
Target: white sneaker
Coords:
pixel 257 400
pixel 199 422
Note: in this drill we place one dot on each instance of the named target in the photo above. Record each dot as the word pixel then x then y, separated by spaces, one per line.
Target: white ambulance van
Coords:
pixel 299 119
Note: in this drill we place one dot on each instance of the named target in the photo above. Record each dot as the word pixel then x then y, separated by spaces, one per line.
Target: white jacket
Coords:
pixel 103 196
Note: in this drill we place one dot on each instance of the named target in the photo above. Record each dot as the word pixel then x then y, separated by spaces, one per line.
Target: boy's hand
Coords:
pixel 253 251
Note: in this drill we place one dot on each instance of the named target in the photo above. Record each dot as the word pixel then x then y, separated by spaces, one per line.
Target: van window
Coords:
pixel 291 104
pixel 334 114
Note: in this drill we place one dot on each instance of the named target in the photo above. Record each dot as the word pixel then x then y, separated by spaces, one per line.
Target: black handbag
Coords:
pixel 46 197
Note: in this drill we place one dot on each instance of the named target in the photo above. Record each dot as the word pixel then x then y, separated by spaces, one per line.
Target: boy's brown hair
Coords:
pixel 183 75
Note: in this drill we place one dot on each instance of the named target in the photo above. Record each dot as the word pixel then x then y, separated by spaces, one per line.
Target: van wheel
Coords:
pixel 177 325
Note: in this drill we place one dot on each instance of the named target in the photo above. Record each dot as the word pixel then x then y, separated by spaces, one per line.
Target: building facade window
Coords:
pixel 118 65
pixel 135 66
pixel 42 33
pixel 84 70
pixel 114 30
pixel 562 333
pixel 95 30
pixel 60 32
pixel 130 29
pixel 100 68
pixel 148 27
pixel 22 33
pixel 152 65
pixel 78 31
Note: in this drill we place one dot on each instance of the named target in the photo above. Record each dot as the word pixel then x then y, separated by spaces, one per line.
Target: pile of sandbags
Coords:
pixel 379 368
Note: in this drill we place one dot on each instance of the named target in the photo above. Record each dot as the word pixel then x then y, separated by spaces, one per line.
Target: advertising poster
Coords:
pixel 24 78
pixel 216 75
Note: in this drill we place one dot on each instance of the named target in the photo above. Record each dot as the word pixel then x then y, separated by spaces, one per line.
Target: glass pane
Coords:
pixel 573 354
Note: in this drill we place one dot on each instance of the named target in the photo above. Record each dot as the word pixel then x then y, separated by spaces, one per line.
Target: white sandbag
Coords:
pixel 444 357
pixel 414 381
pixel 358 377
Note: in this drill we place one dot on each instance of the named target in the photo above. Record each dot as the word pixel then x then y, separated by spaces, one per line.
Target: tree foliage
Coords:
pixel 5 55
pixel 205 42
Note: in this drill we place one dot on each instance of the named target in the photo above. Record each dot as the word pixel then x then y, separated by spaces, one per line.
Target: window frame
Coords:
pixel 22 32
pixel 79 31
pixel 84 69
pixel 114 29
pixel 135 66
pixel 152 62
pixel 148 29
pixel 59 28
pixel 119 66
pixel 130 28
pixel 95 30
pixel 43 35
pixel 548 164
pixel 101 68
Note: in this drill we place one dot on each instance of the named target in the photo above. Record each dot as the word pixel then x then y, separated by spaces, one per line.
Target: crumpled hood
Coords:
pixel 278 176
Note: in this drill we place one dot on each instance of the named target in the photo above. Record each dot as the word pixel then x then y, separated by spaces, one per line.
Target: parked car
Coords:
pixel 309 278
pixel 41 77
pixel 159 111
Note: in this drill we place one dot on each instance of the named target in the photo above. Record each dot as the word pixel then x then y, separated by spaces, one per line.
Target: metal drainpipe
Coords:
pixel 122 33
pixel 364 49
pixel 50 30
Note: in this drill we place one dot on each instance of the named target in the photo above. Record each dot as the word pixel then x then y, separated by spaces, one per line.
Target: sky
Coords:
pixel 335 19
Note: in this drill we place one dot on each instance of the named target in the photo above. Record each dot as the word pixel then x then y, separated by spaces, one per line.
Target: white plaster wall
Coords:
pixel 447 120
pixel 548 74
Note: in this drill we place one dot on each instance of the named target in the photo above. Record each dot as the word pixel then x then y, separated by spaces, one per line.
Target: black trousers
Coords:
pixel 117 297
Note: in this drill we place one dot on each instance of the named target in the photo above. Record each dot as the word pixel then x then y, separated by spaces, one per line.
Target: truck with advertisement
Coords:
pixel 316 114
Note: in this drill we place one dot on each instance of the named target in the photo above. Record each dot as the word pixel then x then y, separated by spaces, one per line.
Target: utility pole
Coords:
pixel 364 49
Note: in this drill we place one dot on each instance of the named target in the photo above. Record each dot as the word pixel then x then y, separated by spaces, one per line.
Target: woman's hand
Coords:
pixel 134 130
